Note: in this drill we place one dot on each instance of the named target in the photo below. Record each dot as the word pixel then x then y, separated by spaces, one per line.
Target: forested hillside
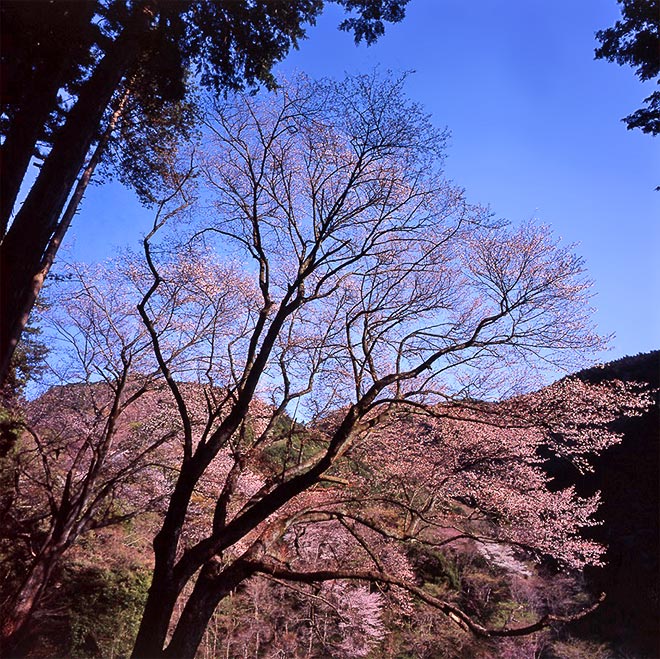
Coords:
pixel 628 476
pixel 470 556
pixel 307 413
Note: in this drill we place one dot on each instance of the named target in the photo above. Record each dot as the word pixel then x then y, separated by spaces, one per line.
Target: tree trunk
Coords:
pixel 155 619
pixel 18 148
pixel 72 207
pixel 34 98
pixel 167 581
pixel 165 589
pixel 212 586
pixel 12 631
pixel 25 244
pixel 31 98
pixel 166 586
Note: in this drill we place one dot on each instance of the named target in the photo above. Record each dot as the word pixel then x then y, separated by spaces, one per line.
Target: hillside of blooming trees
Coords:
pixel 309 418
pixel 391 551
pixel 322 408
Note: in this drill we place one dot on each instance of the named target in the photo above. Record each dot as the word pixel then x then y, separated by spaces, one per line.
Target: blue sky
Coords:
pixel 536 132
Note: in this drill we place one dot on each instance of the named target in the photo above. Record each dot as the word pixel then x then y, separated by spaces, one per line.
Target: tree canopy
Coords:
pixel 635 40
pixel 320 313
pixel 73 71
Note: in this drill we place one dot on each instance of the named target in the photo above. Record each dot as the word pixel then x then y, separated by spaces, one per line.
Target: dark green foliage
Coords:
pixel 41 41
pixel 435 567
pixel 11 421
pixel 369 25
pixel 635 40
pixel 141 153
pixel 291 444
pixel 103 608
pixel 88 612
pixel 647 118
pixel 15 552
pixel 26 364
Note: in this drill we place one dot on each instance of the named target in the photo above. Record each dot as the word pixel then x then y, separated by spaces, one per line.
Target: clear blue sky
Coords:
pixel 536 132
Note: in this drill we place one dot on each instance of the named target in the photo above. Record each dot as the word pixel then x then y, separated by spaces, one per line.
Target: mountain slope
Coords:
pixel 628 476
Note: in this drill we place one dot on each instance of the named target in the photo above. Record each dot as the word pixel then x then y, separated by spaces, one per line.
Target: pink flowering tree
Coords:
pixel 326 310
pixel 94 452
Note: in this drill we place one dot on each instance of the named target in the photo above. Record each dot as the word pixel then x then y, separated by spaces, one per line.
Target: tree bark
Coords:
pixel 72 207
pixel 168 581
pixel 155 619
pixel 33 98
pixel 164 589
pixel 212 586
pixel 19 146
pixel 12 631
pixel 27 240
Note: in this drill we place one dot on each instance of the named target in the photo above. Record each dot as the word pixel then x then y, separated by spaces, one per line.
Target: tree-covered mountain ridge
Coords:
pixel 477 557
pixel 628 476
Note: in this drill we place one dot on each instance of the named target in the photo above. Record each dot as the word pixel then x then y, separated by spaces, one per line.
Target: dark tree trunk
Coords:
pixel 212 586
pixel 165 584
pixel 33 98
pixel 18 148
pixel 165 588
pixel 72 207
pixel 155 619
pixel 170 578
pixel 161 600
pixel 15 623
pixel 27 240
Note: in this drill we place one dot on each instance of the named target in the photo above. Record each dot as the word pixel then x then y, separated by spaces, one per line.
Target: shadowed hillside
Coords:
pixel 628 476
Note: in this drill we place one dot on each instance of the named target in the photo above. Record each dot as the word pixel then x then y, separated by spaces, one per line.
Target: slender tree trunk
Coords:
pixel 71 209
pixel 19 146
pixel 27 240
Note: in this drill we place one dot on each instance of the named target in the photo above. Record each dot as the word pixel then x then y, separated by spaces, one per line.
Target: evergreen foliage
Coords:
pixel 635 40
pixel 134 64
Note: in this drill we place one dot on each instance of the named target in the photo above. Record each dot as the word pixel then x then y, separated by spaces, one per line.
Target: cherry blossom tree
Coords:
pixel 93 453
pixel 327 311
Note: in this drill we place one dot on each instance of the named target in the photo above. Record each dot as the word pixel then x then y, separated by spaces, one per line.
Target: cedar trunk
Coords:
pixel 18 148
pixel 28 238
pixel 38 95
